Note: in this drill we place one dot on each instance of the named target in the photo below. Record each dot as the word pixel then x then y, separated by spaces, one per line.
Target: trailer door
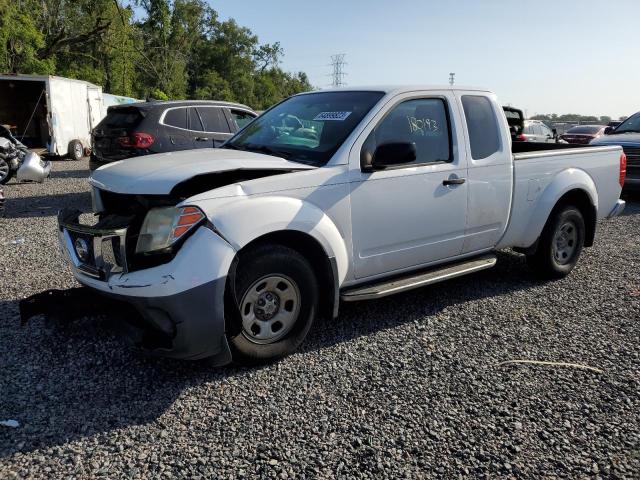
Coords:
pixel 94 100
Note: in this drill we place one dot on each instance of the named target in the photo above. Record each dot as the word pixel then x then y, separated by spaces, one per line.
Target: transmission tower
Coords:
pixel 452 78
pixel 338 63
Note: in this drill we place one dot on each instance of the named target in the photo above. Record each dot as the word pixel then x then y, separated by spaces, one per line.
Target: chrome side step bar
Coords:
pixel 421 279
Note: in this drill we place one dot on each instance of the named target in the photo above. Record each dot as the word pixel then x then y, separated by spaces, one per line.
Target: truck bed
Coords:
pixel 542 174
pixel 526 147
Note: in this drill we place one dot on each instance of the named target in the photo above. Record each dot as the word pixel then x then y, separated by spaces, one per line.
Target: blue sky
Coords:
pixel 545 56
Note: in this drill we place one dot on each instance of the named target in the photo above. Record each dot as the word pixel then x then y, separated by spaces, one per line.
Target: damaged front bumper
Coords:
pixel 181 302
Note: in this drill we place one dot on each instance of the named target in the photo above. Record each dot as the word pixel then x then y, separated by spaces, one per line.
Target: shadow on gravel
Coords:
pixel 69 381
pixel 71 174
pixel 510 274
pixel 45 205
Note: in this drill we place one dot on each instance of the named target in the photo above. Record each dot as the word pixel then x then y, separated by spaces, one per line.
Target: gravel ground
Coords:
pixel 406 386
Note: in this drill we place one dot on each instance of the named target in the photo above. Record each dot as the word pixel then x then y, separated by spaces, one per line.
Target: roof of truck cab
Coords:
pixel 400 88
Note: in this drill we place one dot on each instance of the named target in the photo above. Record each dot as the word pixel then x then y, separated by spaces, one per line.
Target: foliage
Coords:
pixel 149 48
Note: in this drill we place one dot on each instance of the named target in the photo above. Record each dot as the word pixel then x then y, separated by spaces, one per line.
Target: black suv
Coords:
pixel 144 128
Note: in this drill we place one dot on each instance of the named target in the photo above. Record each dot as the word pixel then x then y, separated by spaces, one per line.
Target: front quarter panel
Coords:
pixel 245 219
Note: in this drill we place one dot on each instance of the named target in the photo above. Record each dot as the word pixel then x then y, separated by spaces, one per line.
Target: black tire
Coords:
pixel 5 171
pixel 76 151
pixel 551 261
pixel 269 262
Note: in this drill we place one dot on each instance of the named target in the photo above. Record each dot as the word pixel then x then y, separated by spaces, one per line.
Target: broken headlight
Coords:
pixel 163 227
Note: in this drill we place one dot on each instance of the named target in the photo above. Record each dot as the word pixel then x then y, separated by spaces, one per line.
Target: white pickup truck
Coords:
pixel 347 194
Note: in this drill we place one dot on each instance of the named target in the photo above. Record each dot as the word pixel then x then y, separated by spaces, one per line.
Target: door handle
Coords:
pixel 453 181
pixel 202 139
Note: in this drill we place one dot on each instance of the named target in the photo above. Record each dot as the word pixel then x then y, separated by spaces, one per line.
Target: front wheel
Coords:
pixel 560 244
pixel 277 301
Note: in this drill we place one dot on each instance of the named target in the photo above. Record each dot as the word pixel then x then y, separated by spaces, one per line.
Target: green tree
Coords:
pixel 177 47
pixel 21 40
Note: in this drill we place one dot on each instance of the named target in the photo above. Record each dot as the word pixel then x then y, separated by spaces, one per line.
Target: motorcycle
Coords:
pixel 15 158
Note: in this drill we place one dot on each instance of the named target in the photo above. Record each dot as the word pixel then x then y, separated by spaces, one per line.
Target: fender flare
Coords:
pixel 564 182
pixel 235 222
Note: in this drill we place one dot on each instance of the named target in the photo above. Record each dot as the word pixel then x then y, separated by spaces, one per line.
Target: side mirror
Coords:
pixel 391 154
pixel 608 130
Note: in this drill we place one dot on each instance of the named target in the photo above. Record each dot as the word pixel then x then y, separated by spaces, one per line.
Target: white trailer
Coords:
pixel 50 113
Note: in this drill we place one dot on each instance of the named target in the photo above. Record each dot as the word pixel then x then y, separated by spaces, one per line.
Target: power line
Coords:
pixel 338 73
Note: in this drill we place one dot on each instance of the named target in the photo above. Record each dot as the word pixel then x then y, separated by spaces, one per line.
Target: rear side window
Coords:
pixel 482 126
pixel 423 122
pixel 123 118
pixel 194 121
pixel 241 118
pixel 214 120
pixel 176 117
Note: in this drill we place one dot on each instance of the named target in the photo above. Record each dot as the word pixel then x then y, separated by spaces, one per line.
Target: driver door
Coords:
pixel 411 215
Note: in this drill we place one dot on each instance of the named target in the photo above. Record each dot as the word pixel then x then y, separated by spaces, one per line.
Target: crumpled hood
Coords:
pixel 158 174
pixel 631 139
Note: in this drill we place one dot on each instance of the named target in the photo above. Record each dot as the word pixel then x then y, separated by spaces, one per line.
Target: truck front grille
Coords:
pixel 633 155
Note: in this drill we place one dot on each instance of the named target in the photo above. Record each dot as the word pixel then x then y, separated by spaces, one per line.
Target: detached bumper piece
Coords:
pixel 65 306
pixel 33 169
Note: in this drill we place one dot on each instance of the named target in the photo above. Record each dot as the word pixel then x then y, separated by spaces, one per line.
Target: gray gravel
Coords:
pixel 402 387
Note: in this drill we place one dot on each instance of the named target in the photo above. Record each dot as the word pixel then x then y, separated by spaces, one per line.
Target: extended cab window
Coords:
pixel 176 117
pixel 214 120
pixel 423 122
pixel 482 125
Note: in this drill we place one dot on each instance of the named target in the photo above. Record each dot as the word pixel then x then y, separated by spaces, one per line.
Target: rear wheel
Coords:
pixel 277 301
pixel 76 151
pixel 560 244
pixel 5 171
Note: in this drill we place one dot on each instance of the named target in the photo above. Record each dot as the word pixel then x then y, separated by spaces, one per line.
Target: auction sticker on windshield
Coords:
pixel 336 116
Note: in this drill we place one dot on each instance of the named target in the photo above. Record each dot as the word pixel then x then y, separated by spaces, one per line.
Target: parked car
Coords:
pixel 627 135
pixel 537 131
pixel 515 120
pixel 348 194
pixel 145 128
pixel 583 134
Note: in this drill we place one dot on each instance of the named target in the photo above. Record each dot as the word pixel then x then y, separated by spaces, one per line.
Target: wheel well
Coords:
pixel 313 251
pixel 581 200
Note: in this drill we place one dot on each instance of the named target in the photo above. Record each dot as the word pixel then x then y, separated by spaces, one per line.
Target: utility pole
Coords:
pixel 452 78
pixel 338 73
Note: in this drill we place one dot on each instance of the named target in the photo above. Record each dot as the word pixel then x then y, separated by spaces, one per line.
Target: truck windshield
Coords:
pixel 631 124
pixel 306 128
